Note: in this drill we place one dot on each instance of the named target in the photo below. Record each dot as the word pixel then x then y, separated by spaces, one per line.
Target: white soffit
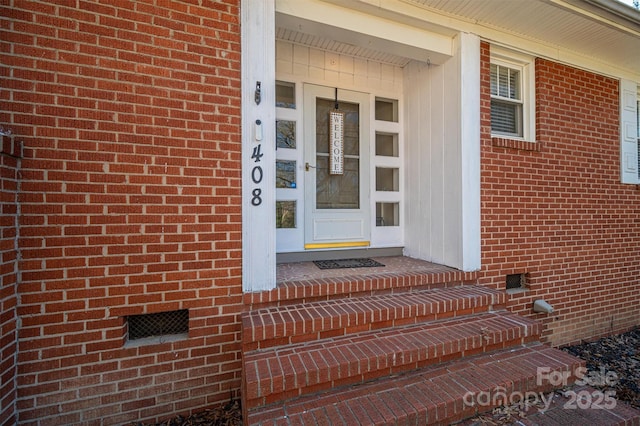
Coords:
pixel 332 45
pixel 334 28
pixel 577 26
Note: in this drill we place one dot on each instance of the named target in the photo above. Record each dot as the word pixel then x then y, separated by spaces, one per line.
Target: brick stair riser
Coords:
pixel 444 412
pixel 271 379
pixel 274 390
pixel 438 398
pixel 317 291
pixel 271 328
pixel 319 333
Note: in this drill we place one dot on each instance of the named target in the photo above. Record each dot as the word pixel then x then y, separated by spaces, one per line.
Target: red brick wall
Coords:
pixel 556 209
pixel 10 153
pixel 130 116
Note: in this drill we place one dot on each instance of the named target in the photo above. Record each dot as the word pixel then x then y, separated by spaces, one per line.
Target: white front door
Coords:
pixel 337 206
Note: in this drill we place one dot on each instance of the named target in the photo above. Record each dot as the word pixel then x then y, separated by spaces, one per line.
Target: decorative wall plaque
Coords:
pixel 336 143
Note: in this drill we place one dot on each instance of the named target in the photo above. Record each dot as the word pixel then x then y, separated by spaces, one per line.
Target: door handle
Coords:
pixel 308 166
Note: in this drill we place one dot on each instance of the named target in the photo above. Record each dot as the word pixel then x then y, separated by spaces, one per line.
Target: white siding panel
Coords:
pixel 300 55
pixel 435 164
pixel 346 64
pixel 316 58
pixel 417 81
pixel 442 131
pixel 451 161
pixel 360 68
pixel 284 56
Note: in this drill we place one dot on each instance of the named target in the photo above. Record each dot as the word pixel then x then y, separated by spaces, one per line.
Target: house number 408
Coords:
pixel 256 176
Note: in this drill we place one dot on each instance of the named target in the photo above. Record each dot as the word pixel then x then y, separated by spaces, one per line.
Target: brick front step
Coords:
pixel 277 326
pixel 278 373
pixel 441 394
pixel 330 288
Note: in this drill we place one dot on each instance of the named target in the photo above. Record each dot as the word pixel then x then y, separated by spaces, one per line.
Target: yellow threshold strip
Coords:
pixel 337 245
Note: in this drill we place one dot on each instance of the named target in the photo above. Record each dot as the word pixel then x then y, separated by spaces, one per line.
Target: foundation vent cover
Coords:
pixel 158 324
pixel 516 281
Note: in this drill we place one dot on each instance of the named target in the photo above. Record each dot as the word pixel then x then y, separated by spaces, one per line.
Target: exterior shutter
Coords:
pixel 629 132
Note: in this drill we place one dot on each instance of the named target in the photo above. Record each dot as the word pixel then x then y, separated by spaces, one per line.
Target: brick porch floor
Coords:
pixel 288 272
pixel 304 281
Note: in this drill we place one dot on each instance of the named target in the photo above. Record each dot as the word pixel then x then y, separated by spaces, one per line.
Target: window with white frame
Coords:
pixel 506 100
pixel 512 95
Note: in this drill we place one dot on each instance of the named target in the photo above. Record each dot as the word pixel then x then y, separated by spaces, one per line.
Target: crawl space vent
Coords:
pixel 158 324
pixel 516 281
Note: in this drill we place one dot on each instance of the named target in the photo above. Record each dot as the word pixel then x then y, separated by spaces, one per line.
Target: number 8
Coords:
pixel 256 200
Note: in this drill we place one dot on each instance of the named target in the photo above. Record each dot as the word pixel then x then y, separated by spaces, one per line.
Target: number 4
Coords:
pixel 257 155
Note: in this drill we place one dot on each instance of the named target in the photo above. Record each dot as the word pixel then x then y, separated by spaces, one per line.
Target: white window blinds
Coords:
pixel 506 100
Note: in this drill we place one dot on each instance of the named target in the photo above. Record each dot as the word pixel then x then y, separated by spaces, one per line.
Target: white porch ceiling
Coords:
pixel 601 31
pixel 332 45
pixel 340 26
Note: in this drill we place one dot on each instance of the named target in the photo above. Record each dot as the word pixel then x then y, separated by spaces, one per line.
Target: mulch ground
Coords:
pixel 227 415
pixel 612 366
pixel 618 354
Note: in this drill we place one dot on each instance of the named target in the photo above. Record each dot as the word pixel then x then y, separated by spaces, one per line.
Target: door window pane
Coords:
pixel 351 126
pixel 338 191
pixel 387 110
pixel 285 134
pixel 285 174
pixel 387 214
pixel 285 214
pixel 387 145
pixel 285 94
pixel 387 179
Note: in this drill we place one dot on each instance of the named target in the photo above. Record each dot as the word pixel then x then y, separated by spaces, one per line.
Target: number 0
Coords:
pixel 256 174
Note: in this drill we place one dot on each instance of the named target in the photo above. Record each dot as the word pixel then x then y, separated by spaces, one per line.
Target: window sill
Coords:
pixel 518 144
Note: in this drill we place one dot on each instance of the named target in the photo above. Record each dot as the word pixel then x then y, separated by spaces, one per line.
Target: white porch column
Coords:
pixel 258 145
pixel 469 53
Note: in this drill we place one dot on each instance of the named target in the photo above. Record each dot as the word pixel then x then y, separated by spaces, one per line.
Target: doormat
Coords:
pixel 347 263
